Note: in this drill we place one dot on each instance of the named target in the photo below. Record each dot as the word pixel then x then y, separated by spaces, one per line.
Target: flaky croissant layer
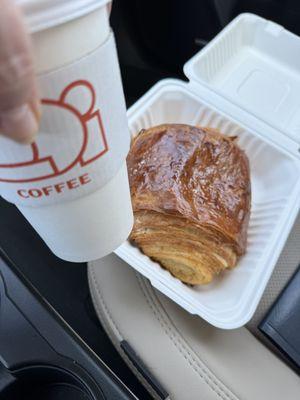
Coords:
pixel 191 195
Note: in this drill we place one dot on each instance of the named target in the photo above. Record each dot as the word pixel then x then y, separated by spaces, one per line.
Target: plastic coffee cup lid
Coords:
pixel 44 14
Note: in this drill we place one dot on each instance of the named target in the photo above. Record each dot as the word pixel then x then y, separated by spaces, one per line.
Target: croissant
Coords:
pixel 191 197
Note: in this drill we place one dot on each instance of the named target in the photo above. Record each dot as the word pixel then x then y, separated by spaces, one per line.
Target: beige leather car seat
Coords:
pixel 192 359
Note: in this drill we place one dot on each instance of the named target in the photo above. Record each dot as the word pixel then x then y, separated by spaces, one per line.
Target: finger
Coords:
pixel 19 103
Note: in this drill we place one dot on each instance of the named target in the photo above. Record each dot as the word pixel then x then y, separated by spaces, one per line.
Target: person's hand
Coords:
pixel 19 103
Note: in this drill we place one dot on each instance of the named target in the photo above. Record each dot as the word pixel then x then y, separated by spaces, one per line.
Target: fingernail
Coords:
pixel 19 124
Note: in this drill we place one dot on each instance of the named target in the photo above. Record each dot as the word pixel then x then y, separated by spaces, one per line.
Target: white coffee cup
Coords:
pixel 85 213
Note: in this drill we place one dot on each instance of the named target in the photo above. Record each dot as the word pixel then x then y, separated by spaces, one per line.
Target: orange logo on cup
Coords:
pixel 84 138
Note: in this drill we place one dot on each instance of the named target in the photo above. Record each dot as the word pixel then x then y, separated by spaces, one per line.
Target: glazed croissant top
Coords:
pixel 195 175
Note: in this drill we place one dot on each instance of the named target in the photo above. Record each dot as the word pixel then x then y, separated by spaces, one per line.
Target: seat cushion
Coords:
pixel 192 359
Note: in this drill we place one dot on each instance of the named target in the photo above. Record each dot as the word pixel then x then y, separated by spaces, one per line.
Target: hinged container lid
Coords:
pixel 255 64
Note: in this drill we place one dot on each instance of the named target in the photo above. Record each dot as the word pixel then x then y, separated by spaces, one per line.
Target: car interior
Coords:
pixel 123 327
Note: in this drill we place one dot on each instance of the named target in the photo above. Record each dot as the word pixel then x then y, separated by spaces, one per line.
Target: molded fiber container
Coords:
pixel 245 83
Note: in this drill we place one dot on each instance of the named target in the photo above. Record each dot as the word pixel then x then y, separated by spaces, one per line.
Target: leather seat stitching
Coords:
pixel 183 348
pixel 170 333
pixel 109 330
pixel 109 316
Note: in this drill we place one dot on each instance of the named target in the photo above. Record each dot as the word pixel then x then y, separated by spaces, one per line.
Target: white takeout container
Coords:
pixel 246 82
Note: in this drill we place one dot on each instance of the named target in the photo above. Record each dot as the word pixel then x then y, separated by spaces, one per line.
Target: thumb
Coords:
pixel 19 104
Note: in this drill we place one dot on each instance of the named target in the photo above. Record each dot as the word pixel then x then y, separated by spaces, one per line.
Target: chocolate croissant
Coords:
pixel 191 196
